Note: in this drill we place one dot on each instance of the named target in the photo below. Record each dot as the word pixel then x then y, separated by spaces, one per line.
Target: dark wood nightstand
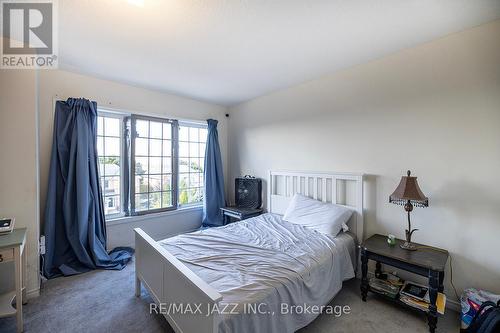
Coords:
pixel 425 261
pixel 239 213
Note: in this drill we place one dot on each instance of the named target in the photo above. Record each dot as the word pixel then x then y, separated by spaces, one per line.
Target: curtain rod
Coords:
pixel 129 112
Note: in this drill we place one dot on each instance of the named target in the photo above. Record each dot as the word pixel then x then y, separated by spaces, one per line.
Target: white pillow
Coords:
pixel 324 217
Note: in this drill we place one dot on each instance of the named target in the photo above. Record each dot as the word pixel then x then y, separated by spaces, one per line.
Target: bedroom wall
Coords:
pixel 19 167
pixel 61 84
pixel 434 109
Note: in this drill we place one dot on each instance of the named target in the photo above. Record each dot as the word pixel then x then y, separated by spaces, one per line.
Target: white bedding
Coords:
pixel 265 260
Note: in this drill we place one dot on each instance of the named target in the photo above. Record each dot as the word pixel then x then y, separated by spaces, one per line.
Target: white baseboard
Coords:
pixel 33 293
pixel 453 305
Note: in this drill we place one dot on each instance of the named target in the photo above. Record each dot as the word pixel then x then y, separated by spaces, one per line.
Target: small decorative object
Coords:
pixel 391 240
pixel 6 225
pixel 408 194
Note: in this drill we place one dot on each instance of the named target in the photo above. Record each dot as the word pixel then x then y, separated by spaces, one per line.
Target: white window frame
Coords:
pixel 174 171
pixel 197 124
pixel 120 116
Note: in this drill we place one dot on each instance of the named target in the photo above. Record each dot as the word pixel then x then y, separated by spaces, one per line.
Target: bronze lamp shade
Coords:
pixel 408 194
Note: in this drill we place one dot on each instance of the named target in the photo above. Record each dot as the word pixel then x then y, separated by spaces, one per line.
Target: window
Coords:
pixel 152 160
pixel 192 142
pixel 149 164
pixel 109 143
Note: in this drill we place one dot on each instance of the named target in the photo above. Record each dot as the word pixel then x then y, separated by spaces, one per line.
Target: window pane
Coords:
pixel 109 157
pixel 155 129
pixel 183 197
pixel 166 183
pixel 111 186
pixel 167 165
pixel 100 145
pixel 155 165
pixel 183 133
pixel 195 165
pixel 183 149
pixel 183 180
pixel 112 205
pixel 203 134
pixel 141 202
pixel 153 155
pixel 166 199
pixel 194 134
pixel 141 127
pixel 100 125
pixel 167 131
pixel 141 184
pixel 203 147
pixel 100 164
pixel 183 164
pixel 194 180
pixel 194 150
pixel 101 182
pixel 141 147
pixel 194 195
pixel 112 127
pixel 202 164
pixel 154 183
pixel 111 165
pixel 167 148
pixel 141 165
pixel 191 160
pixel 111 146
pixel 155 200
pixel 154 147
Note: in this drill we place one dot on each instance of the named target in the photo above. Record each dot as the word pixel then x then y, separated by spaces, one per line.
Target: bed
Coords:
pixel 244 276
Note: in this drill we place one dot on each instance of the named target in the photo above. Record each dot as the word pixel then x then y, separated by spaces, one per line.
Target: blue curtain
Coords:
pixel 213 199
pixel 75 230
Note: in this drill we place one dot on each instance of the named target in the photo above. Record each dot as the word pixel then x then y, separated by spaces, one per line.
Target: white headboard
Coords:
pixel 344 189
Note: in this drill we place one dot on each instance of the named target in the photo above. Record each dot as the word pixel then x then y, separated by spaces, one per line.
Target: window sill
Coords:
pixel 138 218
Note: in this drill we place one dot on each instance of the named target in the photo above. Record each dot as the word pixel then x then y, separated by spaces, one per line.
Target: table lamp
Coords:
pixel 408 194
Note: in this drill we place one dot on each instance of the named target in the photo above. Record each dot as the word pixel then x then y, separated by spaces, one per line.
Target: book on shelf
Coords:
pixel 422 305
pixel 385 287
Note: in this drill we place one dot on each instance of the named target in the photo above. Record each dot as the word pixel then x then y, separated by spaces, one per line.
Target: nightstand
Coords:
pixel 239 213
pixel 426 261
pixel 12 248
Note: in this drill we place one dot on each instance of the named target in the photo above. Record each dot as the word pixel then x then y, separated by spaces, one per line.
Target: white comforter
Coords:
pixel 270 264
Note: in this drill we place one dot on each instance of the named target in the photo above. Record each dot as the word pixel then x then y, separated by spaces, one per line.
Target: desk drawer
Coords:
pixel 6 255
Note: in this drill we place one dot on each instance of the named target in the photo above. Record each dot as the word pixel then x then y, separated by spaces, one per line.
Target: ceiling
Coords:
pixel 229 51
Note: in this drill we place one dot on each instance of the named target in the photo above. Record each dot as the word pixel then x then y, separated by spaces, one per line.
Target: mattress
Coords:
pixel 264 265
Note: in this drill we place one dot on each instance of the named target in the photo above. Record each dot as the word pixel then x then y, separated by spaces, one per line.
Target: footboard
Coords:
pixel 180 295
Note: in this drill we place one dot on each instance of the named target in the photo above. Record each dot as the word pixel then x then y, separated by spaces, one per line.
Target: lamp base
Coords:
pixel 408 246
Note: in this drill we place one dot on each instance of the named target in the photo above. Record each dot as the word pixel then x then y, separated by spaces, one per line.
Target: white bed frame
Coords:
pixel 169 281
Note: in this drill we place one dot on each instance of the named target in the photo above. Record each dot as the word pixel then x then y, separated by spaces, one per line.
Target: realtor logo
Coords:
pixel 28 34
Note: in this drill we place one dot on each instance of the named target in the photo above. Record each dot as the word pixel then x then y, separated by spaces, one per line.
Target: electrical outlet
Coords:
pixel 42 244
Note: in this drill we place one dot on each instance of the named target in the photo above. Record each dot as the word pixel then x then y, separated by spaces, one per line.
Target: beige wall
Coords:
pixel 63 84
pixel 27 99
pixel 434 109
pixel 18 166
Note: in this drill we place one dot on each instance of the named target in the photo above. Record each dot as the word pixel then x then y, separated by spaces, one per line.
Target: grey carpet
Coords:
pixel 104 301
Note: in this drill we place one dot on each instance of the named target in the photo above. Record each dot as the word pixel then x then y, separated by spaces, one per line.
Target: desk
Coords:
pixel 239 213
pixel 12 248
